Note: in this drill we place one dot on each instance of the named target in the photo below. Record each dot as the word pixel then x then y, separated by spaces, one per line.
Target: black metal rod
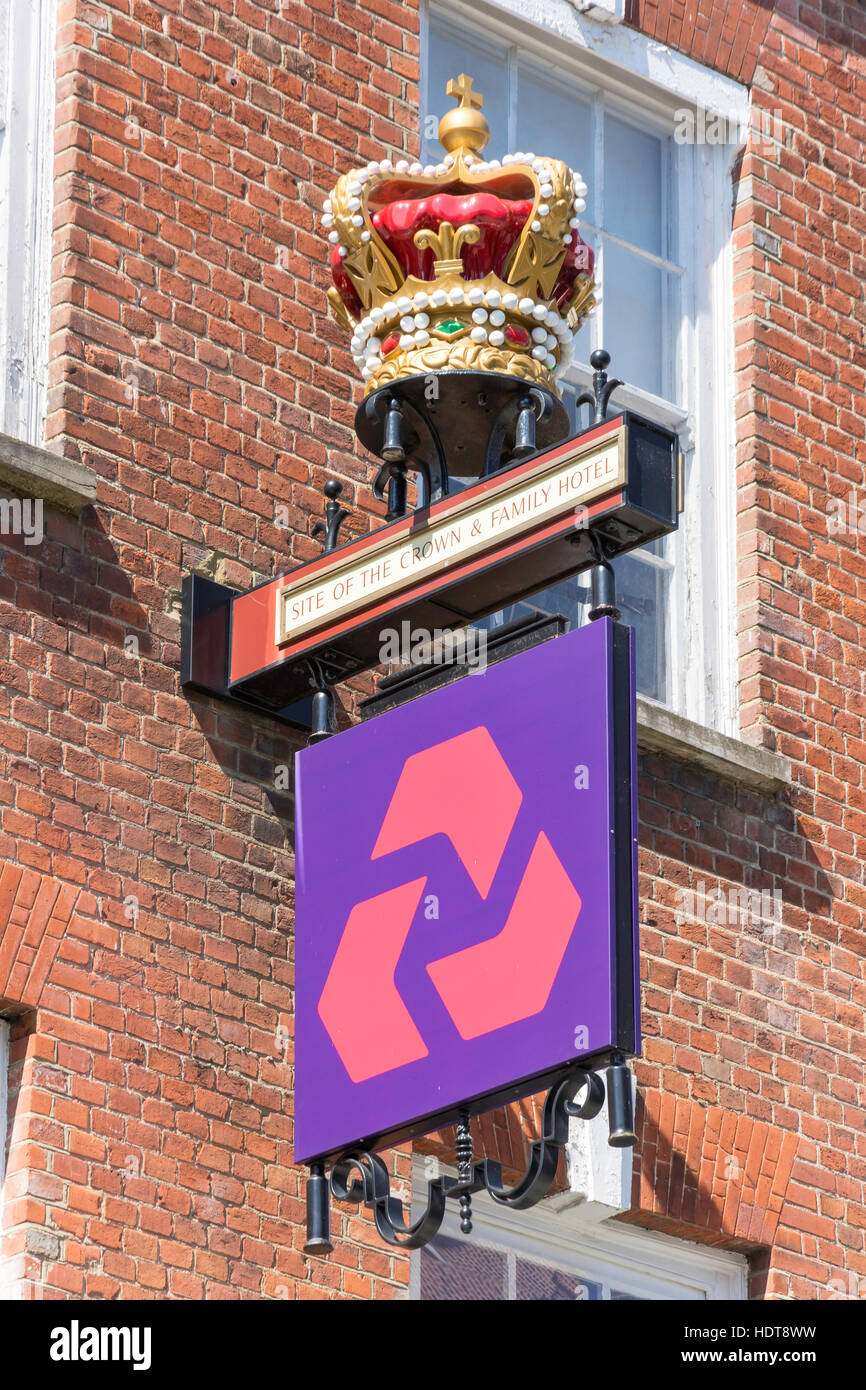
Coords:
pixel 620 1107
pixel 318 1240
pixel 603 590
pixel 323 715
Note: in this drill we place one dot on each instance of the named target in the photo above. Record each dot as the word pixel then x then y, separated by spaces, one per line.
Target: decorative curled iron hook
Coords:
pixel 559 1108
pixel 335 515
pixel 373 1187
pixel 602 386
pixel 360 1176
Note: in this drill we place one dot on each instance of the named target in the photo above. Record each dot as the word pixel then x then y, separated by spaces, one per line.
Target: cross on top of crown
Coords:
pixel 464 126
pixel 461 87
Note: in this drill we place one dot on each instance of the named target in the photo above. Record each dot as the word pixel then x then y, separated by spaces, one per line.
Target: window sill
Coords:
pixel 659 730
pixel 38 473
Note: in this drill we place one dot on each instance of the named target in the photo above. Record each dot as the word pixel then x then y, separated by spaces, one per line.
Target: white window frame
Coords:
pixel 27 110
pixel 645 1264
pixel 648 81
pixel 4 1106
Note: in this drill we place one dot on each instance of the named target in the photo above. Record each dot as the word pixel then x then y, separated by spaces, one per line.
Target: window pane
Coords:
pixel 554 122
pixel 553 1285
pixel 451 52
pixel 633 185
pixel 642 597
pixel 464 1270
pixel 634 318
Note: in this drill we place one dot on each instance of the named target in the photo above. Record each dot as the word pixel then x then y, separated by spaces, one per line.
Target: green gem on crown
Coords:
pixel 449 327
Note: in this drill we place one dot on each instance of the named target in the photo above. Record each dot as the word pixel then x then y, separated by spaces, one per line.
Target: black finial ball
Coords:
pixel 600 360
pixel 333 488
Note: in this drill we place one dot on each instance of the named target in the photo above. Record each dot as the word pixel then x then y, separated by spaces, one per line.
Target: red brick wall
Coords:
pixel 722 34
pixel 195 369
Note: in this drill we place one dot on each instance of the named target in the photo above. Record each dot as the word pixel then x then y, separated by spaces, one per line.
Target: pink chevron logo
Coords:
pixel 461 788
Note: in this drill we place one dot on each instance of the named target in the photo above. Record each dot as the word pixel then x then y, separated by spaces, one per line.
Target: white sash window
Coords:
pixel 615 107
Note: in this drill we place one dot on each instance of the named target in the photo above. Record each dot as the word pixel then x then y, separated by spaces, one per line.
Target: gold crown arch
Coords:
pixel 519 321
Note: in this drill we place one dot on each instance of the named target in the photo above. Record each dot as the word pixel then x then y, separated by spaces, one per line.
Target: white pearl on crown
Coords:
pixel 566 240
pixel 389 309
pixel 421 337
pixel 401 166
pixel 497 338
pixel 497 317
pixel 546 190
pixel 479 315
pixel 357 220
pixel 438 298
pixel 510 300
pixel 493 298
pixel 422 320
pixel 536 226
pixel 539 311
pixel 327 220
pixel 543 209
pixel 455 296
pixel 478 334
pixel 539 353
pixel 334 237
pixel 403 304
pixel 539 335
pixel 420 300
pixel 377 314
pixel 406 340
pixel 574 221
pixel 407 323
pixel 526 306
pixel 475 295
pixel 365 236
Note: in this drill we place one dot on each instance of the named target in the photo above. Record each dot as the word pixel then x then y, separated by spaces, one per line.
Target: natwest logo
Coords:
pixel 464 895
pixel 461 788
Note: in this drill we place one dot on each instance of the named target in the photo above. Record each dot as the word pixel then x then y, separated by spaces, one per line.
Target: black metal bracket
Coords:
pixel 335 515
pixel 603 387
pixel 361 1176
pixel 322 679
pixel 602 577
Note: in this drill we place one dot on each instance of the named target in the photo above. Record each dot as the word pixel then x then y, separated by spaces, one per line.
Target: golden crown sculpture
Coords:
pixel 470 264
